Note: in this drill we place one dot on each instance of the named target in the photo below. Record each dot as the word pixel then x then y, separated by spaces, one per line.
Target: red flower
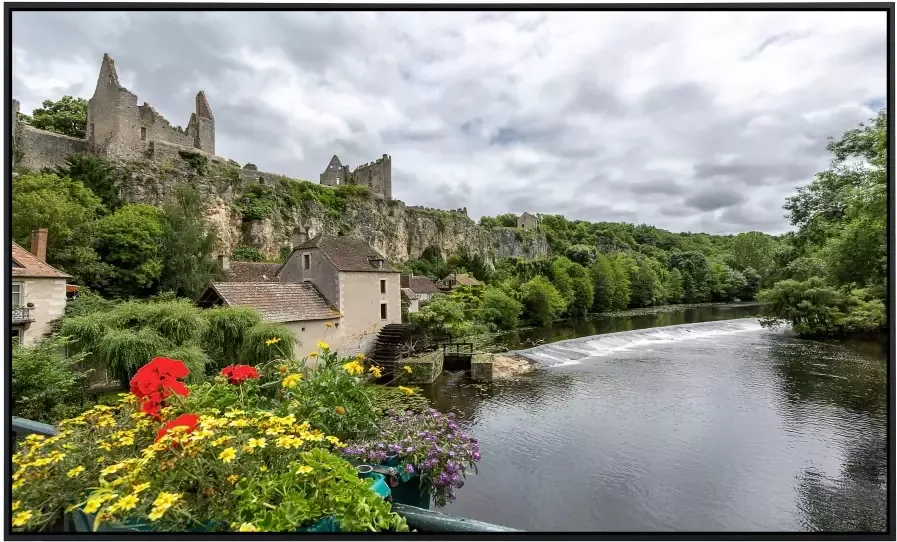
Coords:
pixel 239 373
pixel 157 380
pixel 185 420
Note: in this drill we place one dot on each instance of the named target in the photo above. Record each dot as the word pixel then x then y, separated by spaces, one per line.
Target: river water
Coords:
pixel 709 423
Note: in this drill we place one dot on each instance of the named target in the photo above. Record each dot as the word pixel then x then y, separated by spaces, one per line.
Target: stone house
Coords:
pixel 527 221
pixel 298 305
pixel 452 281
pixel 418 291
pixel 327 280
pixel 354 278
pixel 38 292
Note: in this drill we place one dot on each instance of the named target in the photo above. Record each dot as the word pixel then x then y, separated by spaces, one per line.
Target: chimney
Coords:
pixel 224 260
pixel 39 244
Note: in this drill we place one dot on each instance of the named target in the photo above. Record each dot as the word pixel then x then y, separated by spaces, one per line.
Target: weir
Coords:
pixel 573 351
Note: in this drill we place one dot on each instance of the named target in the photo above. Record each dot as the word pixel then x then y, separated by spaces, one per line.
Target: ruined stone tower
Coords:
pixel 335 174
pixel 118 127
pixel 375 175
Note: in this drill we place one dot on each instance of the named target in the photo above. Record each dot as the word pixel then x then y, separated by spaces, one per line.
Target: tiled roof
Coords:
pixel 277 301
pixel 422 285
pixel 26 264
pixel 409 293
pixel 467 280
pixel 348 254
pixel 252 272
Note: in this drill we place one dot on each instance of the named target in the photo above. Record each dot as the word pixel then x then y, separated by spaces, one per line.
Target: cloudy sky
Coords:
pixel 687 121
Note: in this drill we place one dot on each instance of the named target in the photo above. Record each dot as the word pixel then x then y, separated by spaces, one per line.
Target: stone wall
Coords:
pixel 37 149
pixel 375 175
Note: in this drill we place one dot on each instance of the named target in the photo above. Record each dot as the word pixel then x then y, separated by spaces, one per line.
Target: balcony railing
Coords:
pixel 22 315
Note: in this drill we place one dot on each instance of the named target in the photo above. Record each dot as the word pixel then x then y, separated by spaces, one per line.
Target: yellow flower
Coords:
pixel 165 500
pixel 375 371
pixel 221 440
pixel 139 488
pixel 75 472
pixel 292 381
pixel 263 468
pixel 157 513
pixel 233 478
pixel 283 369
pixel 239 422
pixel 101 459
pixel 312 354
pixel 16 505
pixel 93 504
pixel 275 431
pixel 112 469
pixel 125 441
pixel 408 369
pixel 233 413
pixel 340 410
pixel 323 346
pixel 272 340
pixel 353 368
pixel 21 518
pixel 328 324
pixel 125 503
pixel 406 391
pixel 257 442
pixel 248 528
pixel 227 455
pixel 304 469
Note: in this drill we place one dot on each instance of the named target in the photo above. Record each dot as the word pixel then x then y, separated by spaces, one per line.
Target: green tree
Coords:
pixel 622 292
pixel 46 385
pixel 499 309
pixel 130 241
pixel 673 287
pixel 244 253
pixel 57 203
pixel 754 250
pixel 541 301
pixel 66 116
pixel 186 248
pixel 602 271
pixel 575 285
pixel 582 254
pixel 97 174
pixel 751 284
pixel 443 317
pixel 696 277
pixel 508 220
pixel 645 285
pixel 727 282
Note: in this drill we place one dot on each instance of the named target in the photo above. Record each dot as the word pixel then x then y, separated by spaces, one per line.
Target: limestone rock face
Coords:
pixel 397 231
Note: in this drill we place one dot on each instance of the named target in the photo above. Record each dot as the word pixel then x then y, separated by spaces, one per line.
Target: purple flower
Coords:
pixel 409 469
pixel 409 449
pixel 476 456
pixel 451 454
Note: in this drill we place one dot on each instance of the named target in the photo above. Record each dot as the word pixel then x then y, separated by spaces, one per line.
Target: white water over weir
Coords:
pixel 574 351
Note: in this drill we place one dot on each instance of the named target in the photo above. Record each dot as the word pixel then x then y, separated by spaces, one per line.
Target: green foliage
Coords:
pixel 256 350
pixel 244 253
pixel 727 282
pixel 123 351
pixel 499 309
pixel 602 271
pixel 129 243
pixel 674 287
pixel 226 331
pixel 197 160
pixel 96 174
pixel 582 254
pixel 645 285
pixel 194 358
pixel 574 284
pixel 443 317
pixel 754 250
pixel 59 204
pixel 541 301
pixel 257 202
pixel 816 310
pixel 835 265
pixel 66 116
pixel 46 385
pixel 696 277
pixel 187 249
pixel 391 398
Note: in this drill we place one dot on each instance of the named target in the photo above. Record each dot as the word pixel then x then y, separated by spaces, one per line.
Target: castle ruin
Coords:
pixel 118 128
pixel 377 175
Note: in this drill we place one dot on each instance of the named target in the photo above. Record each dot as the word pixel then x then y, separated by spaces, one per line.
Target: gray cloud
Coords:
pixel 684 120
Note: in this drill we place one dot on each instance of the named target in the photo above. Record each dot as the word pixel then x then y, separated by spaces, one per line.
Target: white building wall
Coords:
pixel 48 296
pixel 360 300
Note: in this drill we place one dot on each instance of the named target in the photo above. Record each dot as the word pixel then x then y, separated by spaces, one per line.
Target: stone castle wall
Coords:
pixel 375 175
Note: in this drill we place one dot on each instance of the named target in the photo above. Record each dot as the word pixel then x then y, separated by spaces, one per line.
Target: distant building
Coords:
pixel 527 221
pixel 38 293
pixel 454 280
pixel 422 287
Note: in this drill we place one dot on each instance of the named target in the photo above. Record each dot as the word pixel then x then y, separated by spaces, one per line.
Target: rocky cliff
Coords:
pixel 267 211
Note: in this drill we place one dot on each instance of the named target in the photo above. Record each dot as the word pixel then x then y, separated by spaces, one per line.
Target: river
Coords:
pixel 707 423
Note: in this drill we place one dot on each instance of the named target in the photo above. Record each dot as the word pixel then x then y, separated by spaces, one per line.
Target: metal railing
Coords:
pixel 22 315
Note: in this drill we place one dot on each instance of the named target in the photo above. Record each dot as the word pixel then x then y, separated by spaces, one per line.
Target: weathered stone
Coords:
pixel 425 369
pixel 481 368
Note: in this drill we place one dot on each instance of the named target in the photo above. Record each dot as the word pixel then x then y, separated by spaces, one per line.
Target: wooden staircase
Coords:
pixel 396 341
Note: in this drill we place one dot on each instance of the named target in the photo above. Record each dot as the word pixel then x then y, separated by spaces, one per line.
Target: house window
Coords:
pixel 382 286
pixel 16 295
pixel 337 180
pixel 142 134
pixel 16 335
pixel 383 311
pixel 306 261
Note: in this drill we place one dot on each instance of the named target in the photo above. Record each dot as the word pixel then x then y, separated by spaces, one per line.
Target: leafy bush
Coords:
pixel 499 309
pixel 247 254
pixel 258 202
pixel 816 310
pixel 541 300
pixel 198 161
pixel 46 385
pixel 226 331
pixel 443 317
pixel 66 116
pixel 268 341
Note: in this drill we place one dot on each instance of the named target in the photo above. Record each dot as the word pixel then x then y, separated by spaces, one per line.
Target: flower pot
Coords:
pixel 380 487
